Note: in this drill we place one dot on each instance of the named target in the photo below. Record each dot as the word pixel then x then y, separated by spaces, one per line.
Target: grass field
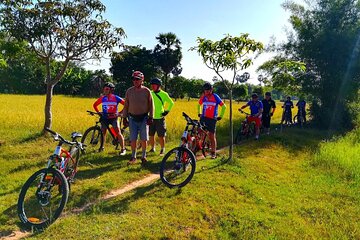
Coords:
pixel 290 185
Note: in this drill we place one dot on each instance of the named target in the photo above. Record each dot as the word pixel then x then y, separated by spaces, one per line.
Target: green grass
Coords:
pixel 285 186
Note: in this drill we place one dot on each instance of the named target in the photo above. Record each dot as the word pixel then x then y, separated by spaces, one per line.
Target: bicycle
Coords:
pixel 286 118
pixel 299 118
pixel 246 130
pixel 44 195
pixel 174 170
pixel 94 137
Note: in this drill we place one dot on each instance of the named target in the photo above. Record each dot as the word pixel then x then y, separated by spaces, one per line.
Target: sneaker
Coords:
pixel 213 155
pixel 143 161
pixel 131 161
pixel 152 150
pixel 122 152
pixel 257 138
pixel 162 151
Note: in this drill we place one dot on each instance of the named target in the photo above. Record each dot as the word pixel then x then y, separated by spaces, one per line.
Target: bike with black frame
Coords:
pixel 44 195
pixel 174 169
pixel 299 119
pixel 94 137
pixel 286 118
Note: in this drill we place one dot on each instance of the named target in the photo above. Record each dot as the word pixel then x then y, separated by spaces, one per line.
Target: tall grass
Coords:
pixel 342 155
pixel 22 117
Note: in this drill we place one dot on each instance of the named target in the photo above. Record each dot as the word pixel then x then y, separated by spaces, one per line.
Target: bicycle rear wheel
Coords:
pixel 177 167
pixel 93 138
pixel 42 198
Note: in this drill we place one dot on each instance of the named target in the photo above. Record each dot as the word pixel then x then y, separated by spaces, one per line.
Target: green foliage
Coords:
pixel 228 54
pixel 60 29
pixel 129 59
pixel 286 75
pixel 168 54
pixel 325 38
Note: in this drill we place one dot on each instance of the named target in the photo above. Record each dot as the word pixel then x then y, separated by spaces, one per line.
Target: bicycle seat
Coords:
pixel 75 135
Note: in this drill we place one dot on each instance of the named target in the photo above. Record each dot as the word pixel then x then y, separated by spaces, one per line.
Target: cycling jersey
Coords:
pixel 160 99
pixel 255 107
pixel 210 105
pixel 301 104
pixel 288 104
pixel 109 105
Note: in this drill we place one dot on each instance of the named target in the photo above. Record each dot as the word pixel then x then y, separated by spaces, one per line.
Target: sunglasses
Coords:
pixel 136 79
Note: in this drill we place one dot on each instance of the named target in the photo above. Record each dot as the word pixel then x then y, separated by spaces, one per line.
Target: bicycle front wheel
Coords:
pixel 177 167
pixel 42 198
pixel 93 138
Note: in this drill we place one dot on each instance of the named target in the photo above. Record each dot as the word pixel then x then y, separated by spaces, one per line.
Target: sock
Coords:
pixel 133 153
pixel 143 153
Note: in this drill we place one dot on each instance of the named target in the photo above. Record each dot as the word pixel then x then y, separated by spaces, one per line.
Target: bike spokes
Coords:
pixel 42 198
pixel 177 167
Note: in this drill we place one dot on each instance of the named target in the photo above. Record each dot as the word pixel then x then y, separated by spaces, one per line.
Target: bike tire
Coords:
pixel 26 211
pixel 170 168
pixel 93 138
pixel 295 119
pixel 205 147
pixel 239 136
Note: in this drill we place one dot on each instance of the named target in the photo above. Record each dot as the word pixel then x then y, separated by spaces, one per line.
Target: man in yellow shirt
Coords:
pixel 163 104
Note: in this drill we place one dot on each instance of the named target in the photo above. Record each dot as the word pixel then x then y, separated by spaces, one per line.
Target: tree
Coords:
pixel 129 59
pixel 232 54
pixel 22 71
pixel 168 54
pixel 60 30
pixel 325 37
pixel 177 86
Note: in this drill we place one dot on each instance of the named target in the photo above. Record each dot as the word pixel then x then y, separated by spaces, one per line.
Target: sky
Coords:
pixel 143 20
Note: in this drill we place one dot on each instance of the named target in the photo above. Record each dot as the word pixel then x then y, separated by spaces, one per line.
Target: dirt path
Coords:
pixel 114 193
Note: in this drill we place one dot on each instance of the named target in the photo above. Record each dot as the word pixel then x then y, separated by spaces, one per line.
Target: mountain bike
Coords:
pixel 178 165
pixel 286 118
pixel 94 137
pixel 299 118
pixel 44 195
pixel 246 130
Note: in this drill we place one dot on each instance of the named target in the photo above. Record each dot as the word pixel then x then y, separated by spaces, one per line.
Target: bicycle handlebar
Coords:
pixel 247 114
pixel 58 136
pixel 192 121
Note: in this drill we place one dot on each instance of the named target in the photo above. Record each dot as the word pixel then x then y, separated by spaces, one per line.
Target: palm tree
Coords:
pixel 168 54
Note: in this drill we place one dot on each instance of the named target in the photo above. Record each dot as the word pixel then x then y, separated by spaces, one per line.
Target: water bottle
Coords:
pixel 62 163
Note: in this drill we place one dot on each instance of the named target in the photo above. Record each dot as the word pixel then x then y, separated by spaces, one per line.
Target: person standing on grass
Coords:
pixel 301 104
pixel 161 101
pixel 256 109
pixel 109 115
pixel 209 115
pixel 269 109
pixel 139 111
pixel 288 105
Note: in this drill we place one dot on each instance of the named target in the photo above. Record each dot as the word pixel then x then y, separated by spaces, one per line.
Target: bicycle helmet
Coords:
pixel 268 94
pixel 156 81
pixel 254 95
pixel 138 75
pixel 110 85
pixel 207 86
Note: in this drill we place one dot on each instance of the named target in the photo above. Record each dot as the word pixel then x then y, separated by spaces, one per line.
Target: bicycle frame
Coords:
pixel 61 157
pixel 194 133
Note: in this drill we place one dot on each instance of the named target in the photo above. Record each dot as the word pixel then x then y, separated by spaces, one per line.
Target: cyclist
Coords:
pixel 109 115
pixel 269 107
pixel 160 99
pixel 288 105
pixel 256 108
pixel 301 104
pixel 209 114
pixel 139 110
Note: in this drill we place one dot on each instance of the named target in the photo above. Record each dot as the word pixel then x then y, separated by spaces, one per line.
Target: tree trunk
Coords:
pixel 231 128
pixel 48 103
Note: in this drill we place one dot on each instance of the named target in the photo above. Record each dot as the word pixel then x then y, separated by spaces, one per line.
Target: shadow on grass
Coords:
pixel 31 137
pixel 27 166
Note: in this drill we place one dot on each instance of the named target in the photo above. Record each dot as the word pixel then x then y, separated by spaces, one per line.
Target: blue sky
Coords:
pixel 143 20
